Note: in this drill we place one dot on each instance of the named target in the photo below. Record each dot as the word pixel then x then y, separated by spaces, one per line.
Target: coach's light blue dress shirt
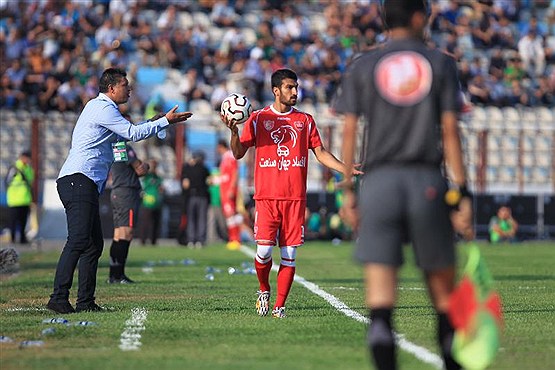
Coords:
pixel 99 125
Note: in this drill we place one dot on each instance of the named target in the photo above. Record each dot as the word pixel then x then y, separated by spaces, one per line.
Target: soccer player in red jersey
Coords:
pixel 281 136
pixel 228 195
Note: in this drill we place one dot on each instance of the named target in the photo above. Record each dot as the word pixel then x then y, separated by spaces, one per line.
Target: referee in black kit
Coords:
pixel 126 200
pixel 409 97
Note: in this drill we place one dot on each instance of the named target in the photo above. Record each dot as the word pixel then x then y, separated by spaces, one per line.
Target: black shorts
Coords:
pixel 125 206
pixel 400 204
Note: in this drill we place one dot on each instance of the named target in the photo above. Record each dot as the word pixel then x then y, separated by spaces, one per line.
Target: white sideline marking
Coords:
pixel 421 353
pixel 531 287
pixel 25 309
pixel 130 339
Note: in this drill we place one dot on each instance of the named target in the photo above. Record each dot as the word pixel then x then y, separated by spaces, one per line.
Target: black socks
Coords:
pixel 118 256
pixel 445 334
pixel 380 338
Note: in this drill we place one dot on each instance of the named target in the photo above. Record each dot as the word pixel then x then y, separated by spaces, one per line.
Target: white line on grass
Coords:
pixel 130 339
pixel 25 309
pixel 421 353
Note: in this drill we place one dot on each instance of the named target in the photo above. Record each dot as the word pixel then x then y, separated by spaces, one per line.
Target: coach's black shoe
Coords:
pixel 126 280
pixel 89 307
pixel 123 280
pixel 60 307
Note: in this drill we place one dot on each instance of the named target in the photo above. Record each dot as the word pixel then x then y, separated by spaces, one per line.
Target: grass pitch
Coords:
pixel 197 323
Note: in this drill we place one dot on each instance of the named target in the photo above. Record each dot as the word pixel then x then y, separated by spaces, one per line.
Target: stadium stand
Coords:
pixel 195 53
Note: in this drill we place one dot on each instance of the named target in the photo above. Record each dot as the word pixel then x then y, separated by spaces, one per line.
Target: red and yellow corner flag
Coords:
pixel 475 313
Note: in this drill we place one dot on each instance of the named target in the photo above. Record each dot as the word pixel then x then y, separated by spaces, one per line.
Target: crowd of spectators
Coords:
pixel 53 50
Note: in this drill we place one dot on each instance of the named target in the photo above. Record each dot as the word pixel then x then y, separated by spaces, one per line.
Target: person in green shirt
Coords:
pixel 502 227
pixel 152 201
pixel 216 216
pixel 19 183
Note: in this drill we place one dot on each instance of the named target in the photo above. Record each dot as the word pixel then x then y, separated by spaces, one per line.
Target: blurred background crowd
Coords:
pixel 52 51
pixel 194 53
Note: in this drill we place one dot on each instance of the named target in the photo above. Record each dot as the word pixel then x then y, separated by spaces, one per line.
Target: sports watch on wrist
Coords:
pixel 454 195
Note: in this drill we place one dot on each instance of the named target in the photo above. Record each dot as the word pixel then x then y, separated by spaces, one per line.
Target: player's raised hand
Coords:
pixel 176 117
pixel 230 123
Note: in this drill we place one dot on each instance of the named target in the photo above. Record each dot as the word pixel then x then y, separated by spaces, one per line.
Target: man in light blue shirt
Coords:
pixel 98 139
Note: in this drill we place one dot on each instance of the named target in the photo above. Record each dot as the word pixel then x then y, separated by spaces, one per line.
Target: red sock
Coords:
pixel 263 274
pixel 234 233
pixel 284 282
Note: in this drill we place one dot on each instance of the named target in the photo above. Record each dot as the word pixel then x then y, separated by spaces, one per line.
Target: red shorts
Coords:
pixel 281 221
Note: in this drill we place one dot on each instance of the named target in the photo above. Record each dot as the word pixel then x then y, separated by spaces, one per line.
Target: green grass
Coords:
pixel 195 323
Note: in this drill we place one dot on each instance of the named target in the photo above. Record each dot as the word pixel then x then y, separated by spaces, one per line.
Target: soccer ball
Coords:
pixel 237 107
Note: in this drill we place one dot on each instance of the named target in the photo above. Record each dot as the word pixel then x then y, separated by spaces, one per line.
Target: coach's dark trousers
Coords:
pixel 79 195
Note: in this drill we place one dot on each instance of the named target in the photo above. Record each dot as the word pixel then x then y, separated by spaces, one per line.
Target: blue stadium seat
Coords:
pixel 169 104
pixel 545 114
pixel 492 173
pixel 529 118
pixel 544 142
pixel 479 114
pixel 511 114
pixel 494 140
pixel 494 115
pixel 509 143
pixel 540 175
pixel 528 159
pixel 494 158
pixel 507 174
pixel 151 76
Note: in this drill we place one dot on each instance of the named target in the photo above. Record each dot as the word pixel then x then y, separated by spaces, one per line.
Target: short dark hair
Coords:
pixel 280 75
pixel 198 155
pixel 223 142
pixel 398 13
pixel 110 76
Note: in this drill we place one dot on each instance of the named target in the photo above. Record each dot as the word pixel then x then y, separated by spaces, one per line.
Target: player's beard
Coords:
pixel 290 102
